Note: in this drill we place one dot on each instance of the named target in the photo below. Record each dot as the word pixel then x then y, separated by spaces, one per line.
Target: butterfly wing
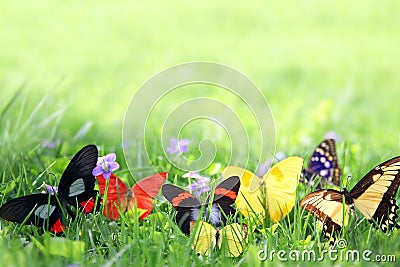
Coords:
pixel 327 206
pixel 374 194
pixel 281 183
pixel 187 206
pixel 232 239
pixel 114 195
pixel 225 195
pixel 324 163
pixel 41 210
pixel 247 201
pixel 144 191
pixel 91 204
pixel 386 215
pixel 77 182
pixel 205 237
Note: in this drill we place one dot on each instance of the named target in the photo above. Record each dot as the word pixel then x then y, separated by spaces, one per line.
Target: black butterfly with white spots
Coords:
pixel 76 189
pixel 323 163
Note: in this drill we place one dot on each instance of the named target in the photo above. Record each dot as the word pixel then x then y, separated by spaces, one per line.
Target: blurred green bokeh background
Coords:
pixel 322 65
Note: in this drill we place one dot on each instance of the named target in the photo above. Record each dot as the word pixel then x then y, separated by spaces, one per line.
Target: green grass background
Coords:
pixel 322 65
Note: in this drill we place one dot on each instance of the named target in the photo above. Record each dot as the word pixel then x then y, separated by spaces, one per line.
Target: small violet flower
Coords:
pixel 280 156
pixel 332 135
pixel 263 168
pixel 106 165
pixel 200 184
pixel 52 190
pixel 49 144
pixel 176 146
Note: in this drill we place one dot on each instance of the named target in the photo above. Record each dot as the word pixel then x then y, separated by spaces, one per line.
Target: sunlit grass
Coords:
pixel 158 241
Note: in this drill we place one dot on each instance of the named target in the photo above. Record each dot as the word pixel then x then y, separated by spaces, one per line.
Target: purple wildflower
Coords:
pixel 49 144
pixel 178 146
pixel 332 135
pixel 263 168
pixel 106 165
pixel 280 156
pixel 200 183
pixel 52 190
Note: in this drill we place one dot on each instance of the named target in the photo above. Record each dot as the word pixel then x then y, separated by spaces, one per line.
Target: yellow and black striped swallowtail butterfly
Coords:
pixel 374 196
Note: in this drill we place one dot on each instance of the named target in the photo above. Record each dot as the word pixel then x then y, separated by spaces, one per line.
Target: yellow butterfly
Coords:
pixel 280 185
pixel 230 239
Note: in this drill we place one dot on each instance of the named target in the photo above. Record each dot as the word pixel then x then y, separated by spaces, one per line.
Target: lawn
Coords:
pixel 69 70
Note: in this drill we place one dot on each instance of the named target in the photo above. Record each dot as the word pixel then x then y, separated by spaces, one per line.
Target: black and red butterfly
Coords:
pixel 76 189
pixel 188 207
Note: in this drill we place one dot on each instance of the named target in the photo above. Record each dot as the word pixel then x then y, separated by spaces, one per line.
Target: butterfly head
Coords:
pixel 347 196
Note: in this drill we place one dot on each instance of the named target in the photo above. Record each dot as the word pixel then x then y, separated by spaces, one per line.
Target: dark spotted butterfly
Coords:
pixel 188 207
pixel 76 189
pixel 323 163
pixel 374 196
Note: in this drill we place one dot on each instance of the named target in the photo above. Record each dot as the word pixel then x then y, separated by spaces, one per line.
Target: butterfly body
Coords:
pixel 216 210
pixel 347 197
pixel 76 189
pixel 213 214
pixel 373 196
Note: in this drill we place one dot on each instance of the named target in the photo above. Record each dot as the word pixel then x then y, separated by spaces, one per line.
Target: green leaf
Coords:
pixel 64 247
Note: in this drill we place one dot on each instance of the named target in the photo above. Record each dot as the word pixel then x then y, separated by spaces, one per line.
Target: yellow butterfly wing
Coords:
pixel 204 237
pixel 249 198
pixel 281 182
pixel 327 205
pixel 232 239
